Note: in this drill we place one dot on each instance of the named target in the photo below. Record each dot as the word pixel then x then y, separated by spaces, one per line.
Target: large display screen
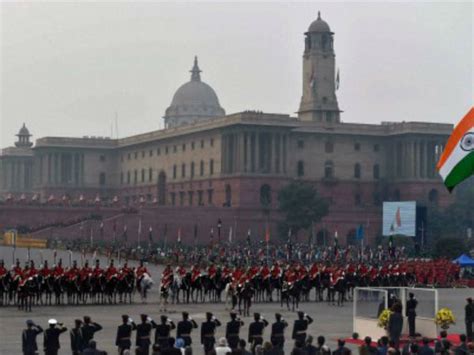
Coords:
pixel 399 218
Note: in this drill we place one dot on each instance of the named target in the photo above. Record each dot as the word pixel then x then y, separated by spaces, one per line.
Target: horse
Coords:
pixel 290 292
pixel 125 287
pixel 245 294
pixel 26 294
pixel 145 284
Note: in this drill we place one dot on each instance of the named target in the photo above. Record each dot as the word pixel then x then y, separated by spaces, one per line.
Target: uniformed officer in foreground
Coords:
pixel 77 340
pixel 28 338
pixel 256 329
pixel 144 334
pixel 278 332
pixel 208 332
pixel 51 337
pixel 300 327
pixel 163 332
pixel 232 331
pixel 184 329
pixel 88 330
pixel 124 334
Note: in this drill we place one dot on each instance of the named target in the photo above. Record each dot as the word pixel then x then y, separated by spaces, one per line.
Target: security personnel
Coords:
pixel 51 337
pixel 278 332
pixel 256 331
pixel 88 330
pixel 232 331
pixel 28 338
pixel 411 313
pixel 301 326
pixel 144 334
pixel 185 327
pixel 77 339
pixel 124 334
pixel 208 332
pixel 163 332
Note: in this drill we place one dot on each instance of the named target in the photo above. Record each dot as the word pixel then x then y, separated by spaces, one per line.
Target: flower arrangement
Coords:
pixel 444 318
pixel 383 318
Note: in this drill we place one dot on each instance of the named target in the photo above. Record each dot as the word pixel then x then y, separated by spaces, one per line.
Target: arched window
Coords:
pixel 329 147
pixel 162 188
pixel 433 196
pixel 376 171
pixel 328 169
pixel 357 171
pixel 300 168
pixel 265 195
pixel 228 196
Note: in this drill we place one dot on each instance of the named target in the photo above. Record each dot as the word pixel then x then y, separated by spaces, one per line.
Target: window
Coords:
pixel 357 199
pixel 143 154
pixel 228 196
pixel 376 171
pixel 175 149
pixel 202 143
pixel 102 179
pixel 175 168
pixel 200 198
pixel 357 171
pixel 184 147
pixel 158 151
pixel 300 143
pixel 212 142
pixel 173 199
pixel 300 168
pixel 143 175
pixel 129 156
pixel 433 196
pixel 121 158
pixel 128 177
pixel 183 170
pixel 191 197
pixel 209 196
pixel 162 188
pixel 192 169
pixel 211 167
pixel 201 168
pixel 192 145
pixel 166 150
pixel 181 198
pixel 329 147
pixel 265 195
pixel 150 174
pixel 376 147
pixel 102 158
pixel 150 153
pixel 135 176
pixel 121 177
pixel 357 147
pixel 329 170
pixel 136 155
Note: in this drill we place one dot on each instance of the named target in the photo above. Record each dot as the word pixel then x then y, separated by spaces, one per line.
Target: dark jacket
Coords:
pixel 88 331
pixel 163 332
pixel 425 350
pixel 469 312
pixel 77 340
pixel 184 329
pixel 300 327
pixel 256 330
pixel 28 338
pixel 144 334
pixel 411 307
pixel 208 331
pixel 395 325
pixel 51 337
pixel 124 335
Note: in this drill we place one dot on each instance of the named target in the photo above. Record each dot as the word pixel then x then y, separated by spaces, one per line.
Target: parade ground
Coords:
pixel 331 321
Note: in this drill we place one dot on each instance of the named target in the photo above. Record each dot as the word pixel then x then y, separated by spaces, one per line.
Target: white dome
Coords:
pixel 193 101
pixel 319 25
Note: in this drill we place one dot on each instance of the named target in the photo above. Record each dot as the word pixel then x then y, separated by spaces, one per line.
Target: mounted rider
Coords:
pixel 167 276
pixel 265 272
pixel 58 270
pixel 3 270
pixel 72 273
pixel 195 273
pixel 97 272
pixel 45 271
pixel 181 271
pixel 212 271
pixel 111 270
pixel 17 270
pixel 32 271
pixel 85 271
pixel 276 271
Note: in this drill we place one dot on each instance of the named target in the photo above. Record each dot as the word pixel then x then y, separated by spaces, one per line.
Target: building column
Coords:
pixel 285 152
pixel 247 152
pixel 427 159
pixel 257 152
pixel 241 152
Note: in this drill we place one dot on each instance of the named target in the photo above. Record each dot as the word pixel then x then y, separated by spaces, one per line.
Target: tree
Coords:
pixel 449 247
pixel 301 205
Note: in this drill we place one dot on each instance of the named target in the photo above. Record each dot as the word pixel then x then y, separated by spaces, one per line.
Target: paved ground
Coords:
pixel 331 321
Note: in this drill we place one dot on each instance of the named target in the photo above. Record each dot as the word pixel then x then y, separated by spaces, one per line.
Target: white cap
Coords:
pixel 52 321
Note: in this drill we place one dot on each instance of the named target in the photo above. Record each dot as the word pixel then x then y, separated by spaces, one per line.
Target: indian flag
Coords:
pixel 457 161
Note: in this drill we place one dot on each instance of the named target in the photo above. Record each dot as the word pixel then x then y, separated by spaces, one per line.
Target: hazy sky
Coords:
pixel 66 68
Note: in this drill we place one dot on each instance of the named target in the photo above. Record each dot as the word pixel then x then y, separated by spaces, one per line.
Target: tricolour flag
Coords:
pixel 267 235
pixel 457 161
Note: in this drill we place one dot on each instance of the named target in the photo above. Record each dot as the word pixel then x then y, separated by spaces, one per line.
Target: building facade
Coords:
pixel 204 159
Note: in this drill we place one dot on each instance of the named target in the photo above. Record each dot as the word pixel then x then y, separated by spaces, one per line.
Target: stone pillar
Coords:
pixel 276 153
pixel 285 153
pixel 247 152
pixel 427 159
pixel 257 152
pixel 241 154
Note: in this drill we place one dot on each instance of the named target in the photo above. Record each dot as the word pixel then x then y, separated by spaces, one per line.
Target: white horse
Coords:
pixel 145 284
pixel 229 292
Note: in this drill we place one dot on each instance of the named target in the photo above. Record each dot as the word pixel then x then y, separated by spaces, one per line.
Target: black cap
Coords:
pixel 125 317
pixel 78 321
pixel 208 314
pixel 278 316
pixel 87 319
pixel 164 319
pixel 143 316
pixel 300 314
pixel 185 314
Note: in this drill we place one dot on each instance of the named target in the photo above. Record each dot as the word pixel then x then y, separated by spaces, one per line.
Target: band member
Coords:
pixel 51 337
pixel 163 332
pixel 124 334
pixel 300 327
pixel 232 331
pixel 28 337
pixel 144 334
pixel 208 332
pixel 185 327
pixel 278 332
pixel 89 329
pixel 411 313
pixel 256 331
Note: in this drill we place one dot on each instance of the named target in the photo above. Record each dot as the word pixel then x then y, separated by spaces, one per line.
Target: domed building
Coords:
pixel 194 101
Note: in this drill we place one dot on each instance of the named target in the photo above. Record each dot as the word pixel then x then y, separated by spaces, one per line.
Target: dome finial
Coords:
pixel 319 15
pixel 195 72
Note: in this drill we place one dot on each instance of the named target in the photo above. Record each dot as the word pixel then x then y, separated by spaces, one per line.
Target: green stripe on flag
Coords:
pixel 460 172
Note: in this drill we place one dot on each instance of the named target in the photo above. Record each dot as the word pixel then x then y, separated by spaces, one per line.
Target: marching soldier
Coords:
pixel 208 332
pixel 232 330
pixel 88 330
pixel 124 334
pixel 301 326
pixel 185 327
pixel 144 334
pixel 256 331
pixel 278 332
pixel 77 339
pixel 163 332
pixel 28 338
pixel 51 337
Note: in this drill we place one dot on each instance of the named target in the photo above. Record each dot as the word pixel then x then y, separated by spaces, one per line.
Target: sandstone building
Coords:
pixel 208 163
